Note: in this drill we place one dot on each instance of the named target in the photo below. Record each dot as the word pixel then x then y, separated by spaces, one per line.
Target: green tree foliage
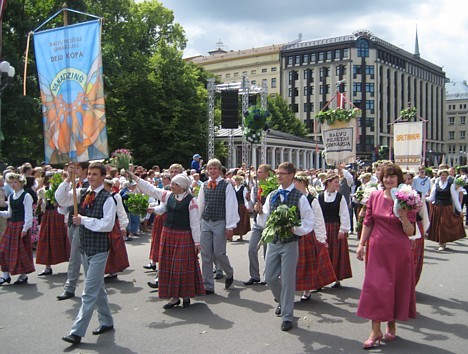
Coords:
pixel 282 118
pixel 155 101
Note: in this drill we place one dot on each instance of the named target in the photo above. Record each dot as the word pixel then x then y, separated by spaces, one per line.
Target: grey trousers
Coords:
pixel 255 235
pixel 74 264
pixel 213 248
pixel 281 260
pixel 94 294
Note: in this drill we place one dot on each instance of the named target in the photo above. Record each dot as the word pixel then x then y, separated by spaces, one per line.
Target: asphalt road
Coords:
pixel 238 320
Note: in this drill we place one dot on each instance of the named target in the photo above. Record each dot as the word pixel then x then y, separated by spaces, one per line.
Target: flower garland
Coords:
pixel 255 122
pixel 409 113
pixel 338 114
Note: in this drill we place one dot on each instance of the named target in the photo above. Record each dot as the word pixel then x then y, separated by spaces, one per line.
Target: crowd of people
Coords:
pixel 79 214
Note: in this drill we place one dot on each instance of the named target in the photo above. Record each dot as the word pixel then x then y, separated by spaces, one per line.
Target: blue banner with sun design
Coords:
pixel 69 66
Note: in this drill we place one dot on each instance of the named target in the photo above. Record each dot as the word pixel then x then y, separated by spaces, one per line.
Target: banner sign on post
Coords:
pixel 69 66
pixel 408 143
pixel 339 141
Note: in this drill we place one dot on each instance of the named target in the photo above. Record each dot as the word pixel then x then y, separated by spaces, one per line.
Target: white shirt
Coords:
pixel 163 196
pixel 453 193
pixel 64 196
pixel 319 222
pixel 307 215
pixel 232 215
pixel 345 224
pixel 121 213
pixel 28 209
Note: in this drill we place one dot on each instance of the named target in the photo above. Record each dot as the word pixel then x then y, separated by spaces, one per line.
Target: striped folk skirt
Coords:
pixel 179 270
pixel 243 226
pixel 158 224
pixel 16 254
pixel 445 226
pixel 117 261
pixel 314 268
pixel 339 252
pixel 53 246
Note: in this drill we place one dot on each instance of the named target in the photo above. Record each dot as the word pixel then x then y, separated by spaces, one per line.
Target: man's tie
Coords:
pixel 89 200
pixel 283 192
pixel 211 184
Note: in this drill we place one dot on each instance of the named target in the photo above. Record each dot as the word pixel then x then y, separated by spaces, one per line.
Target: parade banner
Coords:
pixel 69 66
pixel 407 144
pixel 339 141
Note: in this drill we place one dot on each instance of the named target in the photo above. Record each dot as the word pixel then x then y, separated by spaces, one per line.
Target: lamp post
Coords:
pixel 7 72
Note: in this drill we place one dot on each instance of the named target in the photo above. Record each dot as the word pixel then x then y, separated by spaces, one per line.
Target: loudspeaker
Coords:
pixel 230 109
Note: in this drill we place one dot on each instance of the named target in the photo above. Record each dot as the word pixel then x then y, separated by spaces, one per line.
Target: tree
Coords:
pixel 283 118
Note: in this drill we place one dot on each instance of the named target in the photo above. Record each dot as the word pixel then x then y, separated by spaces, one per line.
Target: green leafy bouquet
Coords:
pixel 269 185
pixel 254 123
pixel 137 204
pixel 338 114
pixel 54 183
pixel 279 224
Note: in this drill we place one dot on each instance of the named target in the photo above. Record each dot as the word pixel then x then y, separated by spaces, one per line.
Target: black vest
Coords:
pixel 215 202
pixel 292 199
pixel 17 208
pixel 178 216
pixel 443 196
pixel 240 195
pixel 331 211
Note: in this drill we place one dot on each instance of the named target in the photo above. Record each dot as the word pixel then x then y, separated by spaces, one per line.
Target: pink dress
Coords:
pixel 388 292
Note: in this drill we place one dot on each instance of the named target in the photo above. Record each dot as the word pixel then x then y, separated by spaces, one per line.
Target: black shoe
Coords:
pixel 336 285
pixel 251 281
pixel 286 325
pixel 5 280
pixel 263 282
pixel 102 329
pixel 218 276
pixel 110 277
pixel 186 303
pixel 150 266
pixel 170 305
pixel 228 282
pixel 72 338
pixel 154 285
pixel 45 272
pixel 305 298
pixel 278 311
pixel 21 281
pixel 65 295
pixel 209 292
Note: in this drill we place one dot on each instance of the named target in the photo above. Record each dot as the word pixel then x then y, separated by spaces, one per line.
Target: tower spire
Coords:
pixel 416 45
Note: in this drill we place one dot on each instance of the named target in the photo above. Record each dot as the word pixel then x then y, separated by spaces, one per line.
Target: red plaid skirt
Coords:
pixel 314 268
pixel 158 224
pixel 339 252
pixel 53 246
pixel 179 270
pixel 243 226
pixel 117 260
pixel 445 225
pixel 16 254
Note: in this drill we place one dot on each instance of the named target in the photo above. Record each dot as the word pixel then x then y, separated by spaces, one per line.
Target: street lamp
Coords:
pixel 7 72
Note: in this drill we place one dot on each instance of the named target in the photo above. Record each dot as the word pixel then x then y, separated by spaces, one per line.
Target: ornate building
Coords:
pixel 455 134
pixel 375 75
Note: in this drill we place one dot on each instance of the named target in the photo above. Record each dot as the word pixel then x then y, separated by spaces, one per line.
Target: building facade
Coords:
pixel 457 112
pixel 375 75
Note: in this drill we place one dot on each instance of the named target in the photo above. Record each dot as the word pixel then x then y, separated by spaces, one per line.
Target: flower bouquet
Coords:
pixel 279 224
pixel 54 183
pixel 461 181
pixel 405 197
pixel 121 159
pixel 137 204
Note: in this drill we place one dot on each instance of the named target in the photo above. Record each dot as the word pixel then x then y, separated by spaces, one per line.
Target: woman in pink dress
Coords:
pixel 388 293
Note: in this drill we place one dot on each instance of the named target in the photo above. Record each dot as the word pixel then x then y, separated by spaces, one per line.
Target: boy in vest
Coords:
pixel 95 220
pixel 217 204
pixel 282 255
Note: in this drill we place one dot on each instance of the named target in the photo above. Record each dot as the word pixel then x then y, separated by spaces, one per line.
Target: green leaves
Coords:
pixel 269 185
pixel 339 114
pixel 279 224
pixel 137 204
pixel 54 183
pixel 408 113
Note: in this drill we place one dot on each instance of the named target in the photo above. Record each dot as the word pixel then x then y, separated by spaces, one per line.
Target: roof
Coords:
pixel 275 48
pixel 456 90
pixel 272 134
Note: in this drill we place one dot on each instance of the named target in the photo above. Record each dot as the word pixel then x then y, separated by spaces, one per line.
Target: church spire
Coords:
pixel 416 45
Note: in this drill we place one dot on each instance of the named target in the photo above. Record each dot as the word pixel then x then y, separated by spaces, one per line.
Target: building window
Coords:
pixel 244 73
pixel 298 60
pixel 273 82
pixel 295 108
pixel 369 69
pixel 293 76
pixel 324 89
pixel 321 56
pixel 370 105
pixel 462 120
pixel 313 58
pixel 357 86
pixel 305 59
pixel 236 74
pixel 295 92
pixel 264 82
pixel 337 54
pixel 451 120
pixel 290 60
pixel 264 70
pixel 345 53
pixel 329 55
pixel 273 69
pixel 253 82
pixel 451 135
pixel 324 72
pixel 253 72
pixel 370 87
pixel 462 134
pixel 311 107
pixel 228 75
pixel 362 47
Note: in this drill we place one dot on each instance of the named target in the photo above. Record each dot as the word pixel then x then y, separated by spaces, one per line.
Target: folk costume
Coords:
pixel 243 226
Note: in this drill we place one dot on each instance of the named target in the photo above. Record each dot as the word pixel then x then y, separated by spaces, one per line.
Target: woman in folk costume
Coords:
pixel 314 268
pixel 243 226
pixel 117 261
pixel 388 292
pixel 53 246
pixel 422 223
pixel 336 214
pixel 179 270
pixel 446 223
pixel 16 256
pixel 29 188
